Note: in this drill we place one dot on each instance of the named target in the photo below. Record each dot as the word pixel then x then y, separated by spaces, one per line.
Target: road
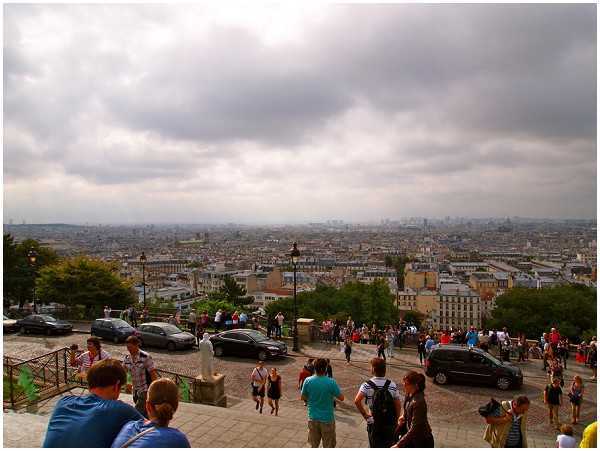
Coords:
pixel 450 404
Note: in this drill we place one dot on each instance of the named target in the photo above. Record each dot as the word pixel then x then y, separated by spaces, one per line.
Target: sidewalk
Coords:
pixel 242 427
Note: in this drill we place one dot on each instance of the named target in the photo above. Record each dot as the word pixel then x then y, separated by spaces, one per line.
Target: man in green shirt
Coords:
pixel 319 392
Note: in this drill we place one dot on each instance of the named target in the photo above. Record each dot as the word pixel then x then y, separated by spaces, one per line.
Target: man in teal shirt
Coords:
pixel 319 392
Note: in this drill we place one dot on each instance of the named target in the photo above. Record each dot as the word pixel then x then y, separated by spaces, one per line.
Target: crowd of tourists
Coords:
pixel 395 415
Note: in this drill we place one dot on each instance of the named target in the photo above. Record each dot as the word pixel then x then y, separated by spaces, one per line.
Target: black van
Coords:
pixel 457 363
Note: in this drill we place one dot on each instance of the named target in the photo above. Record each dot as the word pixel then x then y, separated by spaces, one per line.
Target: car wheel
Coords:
pixel 116 339
pixel 23 330
pixel 503 383
pixel 441 378
pixel 219 351
pixel 171 346
pixel 262 355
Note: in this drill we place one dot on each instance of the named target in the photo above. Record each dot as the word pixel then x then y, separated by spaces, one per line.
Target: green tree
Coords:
pixel 18 273
pixel 398 263
pixel 572 309
pixel 232 293
pixel 371 303
pixel 414 317
pixel 211 306
pixel 84 281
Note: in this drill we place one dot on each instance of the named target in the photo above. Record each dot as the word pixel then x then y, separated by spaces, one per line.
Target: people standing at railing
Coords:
pixel 85 360
pixel 132 316
pixel 243 320
pixel 140 366
pixel 235 320
pixel 218 318
pixel 278 324
pixel 191 321
pixel 162 403
pixel 94 420
pixel 107 311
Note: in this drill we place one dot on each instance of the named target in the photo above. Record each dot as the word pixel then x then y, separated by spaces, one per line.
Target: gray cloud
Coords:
pixel 366 99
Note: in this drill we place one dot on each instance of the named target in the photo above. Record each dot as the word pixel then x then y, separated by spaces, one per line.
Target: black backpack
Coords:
pixel 383 408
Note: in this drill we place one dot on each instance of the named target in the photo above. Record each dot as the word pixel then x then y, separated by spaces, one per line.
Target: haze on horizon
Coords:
pixel 298 113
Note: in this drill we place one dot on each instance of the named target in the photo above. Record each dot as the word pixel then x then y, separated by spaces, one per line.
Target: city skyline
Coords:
pixel 287 114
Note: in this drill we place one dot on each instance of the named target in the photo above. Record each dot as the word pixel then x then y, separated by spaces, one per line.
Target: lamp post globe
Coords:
pixel 143 262
pixel 294 255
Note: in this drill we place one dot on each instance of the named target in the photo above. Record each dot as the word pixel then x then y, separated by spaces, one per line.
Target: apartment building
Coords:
pixel 418 276
pixel 459 308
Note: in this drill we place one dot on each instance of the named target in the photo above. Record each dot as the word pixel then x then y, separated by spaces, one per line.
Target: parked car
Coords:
pixel 165 335
pixel 455 363
pixel 10 325
pixel 247 343
pixel 43 324
pixel 114 329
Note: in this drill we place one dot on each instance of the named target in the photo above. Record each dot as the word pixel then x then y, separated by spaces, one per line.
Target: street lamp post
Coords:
pixel 295 254
pixel 32 257
pixel 143 262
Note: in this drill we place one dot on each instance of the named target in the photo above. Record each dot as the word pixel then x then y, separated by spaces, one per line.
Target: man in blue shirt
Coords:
pixel 92 421
pixel 319 392
pixel 429 344
pixel 472 337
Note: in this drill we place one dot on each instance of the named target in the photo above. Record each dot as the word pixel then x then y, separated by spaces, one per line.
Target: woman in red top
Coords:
pixel 445 338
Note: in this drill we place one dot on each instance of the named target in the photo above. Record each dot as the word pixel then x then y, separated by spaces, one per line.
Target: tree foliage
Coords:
pixel 84 281
pixel 371 303
pixel 569 308
pixel 398 263
pixel 211 306
pixel 413 317
pixel 18 273
pixel 231 293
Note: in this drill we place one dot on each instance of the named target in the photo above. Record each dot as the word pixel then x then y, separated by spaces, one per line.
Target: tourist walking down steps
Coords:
pixel 319 392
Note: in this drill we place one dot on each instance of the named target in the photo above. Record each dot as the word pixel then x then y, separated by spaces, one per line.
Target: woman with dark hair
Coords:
pixel 414 419
pixel 84 361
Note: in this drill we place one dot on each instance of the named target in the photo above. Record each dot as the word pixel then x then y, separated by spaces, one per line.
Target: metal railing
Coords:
pixel 40 378
pixel 36 379
pixel 184 383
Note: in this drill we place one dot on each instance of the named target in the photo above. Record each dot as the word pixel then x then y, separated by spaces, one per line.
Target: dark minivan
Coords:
pixel 114 329
pixel 247 343
pixel 456 363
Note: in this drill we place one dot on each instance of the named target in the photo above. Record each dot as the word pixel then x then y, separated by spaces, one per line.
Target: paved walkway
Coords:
pixel 241 426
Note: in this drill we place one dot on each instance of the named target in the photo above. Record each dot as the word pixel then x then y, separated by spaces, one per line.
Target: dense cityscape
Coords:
pixel 478 259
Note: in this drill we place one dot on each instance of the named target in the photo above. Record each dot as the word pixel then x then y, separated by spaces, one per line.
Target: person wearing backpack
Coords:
pixel 383 406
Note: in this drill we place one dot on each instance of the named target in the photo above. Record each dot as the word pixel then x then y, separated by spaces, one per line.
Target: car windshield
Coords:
pixel 48 318
pixel 170 329
pixel 493 359
pixel 120 324
pixel 256 336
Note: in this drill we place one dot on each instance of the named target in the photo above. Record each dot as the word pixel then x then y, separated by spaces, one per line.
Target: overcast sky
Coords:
pixel 185 113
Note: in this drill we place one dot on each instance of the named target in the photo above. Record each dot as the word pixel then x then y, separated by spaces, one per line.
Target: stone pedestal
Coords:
pixel 304 326
pixel 210 392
